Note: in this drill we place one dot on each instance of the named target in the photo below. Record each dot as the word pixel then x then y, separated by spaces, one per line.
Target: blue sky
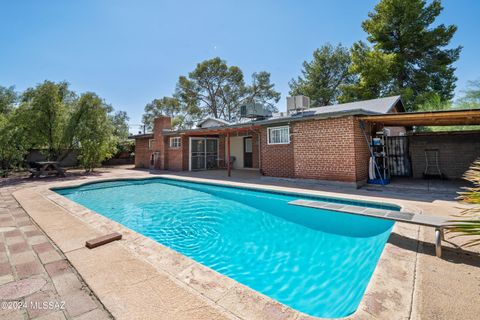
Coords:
pixel 130 52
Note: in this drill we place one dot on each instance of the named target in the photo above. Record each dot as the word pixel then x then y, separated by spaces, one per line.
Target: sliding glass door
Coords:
pixel 203 153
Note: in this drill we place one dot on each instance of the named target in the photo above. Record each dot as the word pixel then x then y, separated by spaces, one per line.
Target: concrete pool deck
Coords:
pixel 153 282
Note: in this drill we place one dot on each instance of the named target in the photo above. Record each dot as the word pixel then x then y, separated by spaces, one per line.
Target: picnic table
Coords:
pixel 46 168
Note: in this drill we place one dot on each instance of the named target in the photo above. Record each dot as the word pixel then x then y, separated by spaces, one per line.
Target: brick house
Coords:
pixel 324 143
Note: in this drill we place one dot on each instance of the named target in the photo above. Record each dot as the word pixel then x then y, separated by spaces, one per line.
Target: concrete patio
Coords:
pixel 438 288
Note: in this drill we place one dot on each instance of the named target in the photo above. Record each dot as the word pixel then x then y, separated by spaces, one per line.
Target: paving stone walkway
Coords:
pixel 36 281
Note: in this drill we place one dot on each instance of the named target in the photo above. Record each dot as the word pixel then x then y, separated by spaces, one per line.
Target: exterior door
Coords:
pixel 203 153
pixel 198 154
pixel 211 154
pixel 154 160
pixel 398 157
pixel 247 153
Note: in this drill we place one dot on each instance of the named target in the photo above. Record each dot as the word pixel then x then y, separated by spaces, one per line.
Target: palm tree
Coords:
pixel 470 227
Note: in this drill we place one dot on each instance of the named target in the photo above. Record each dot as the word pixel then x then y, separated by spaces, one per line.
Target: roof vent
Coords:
pixel 298 103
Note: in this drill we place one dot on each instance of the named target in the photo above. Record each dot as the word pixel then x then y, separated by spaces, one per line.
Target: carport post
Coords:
pixel 228 155
pixel 438 241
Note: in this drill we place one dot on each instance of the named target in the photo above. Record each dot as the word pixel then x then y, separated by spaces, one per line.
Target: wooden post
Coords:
pixel 228 155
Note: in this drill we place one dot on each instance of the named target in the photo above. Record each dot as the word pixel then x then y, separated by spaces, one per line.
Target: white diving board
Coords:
pixel 406 217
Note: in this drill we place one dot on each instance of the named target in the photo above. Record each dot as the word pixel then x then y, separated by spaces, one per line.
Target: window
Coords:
pixel 175 142
pixel 278 135
pixel 150 143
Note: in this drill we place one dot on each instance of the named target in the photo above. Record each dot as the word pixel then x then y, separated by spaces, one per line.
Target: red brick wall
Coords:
pixel 174 156
pixel 330 149
pixel 277 160
pixel 161 142
pixel 324 149
pixel 142 153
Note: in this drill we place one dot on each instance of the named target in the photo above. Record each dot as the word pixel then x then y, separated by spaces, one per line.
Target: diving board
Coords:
pixel 399 216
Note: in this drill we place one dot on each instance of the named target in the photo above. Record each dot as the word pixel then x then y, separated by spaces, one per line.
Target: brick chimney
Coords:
pixel 159 124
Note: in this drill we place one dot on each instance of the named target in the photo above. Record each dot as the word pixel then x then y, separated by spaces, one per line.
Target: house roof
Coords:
pixel 141 135
pixel 365 107
pixel 220 122
pixel 380 105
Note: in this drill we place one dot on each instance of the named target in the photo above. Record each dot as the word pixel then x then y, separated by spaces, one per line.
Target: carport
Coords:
pixel 446 155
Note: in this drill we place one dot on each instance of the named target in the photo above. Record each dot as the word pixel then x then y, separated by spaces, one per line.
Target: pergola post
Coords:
pixel 229 169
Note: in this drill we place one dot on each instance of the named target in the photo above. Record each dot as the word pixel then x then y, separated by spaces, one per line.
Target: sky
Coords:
pixel 131 52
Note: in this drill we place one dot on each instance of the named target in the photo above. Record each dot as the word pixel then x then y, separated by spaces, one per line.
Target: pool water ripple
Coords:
pixel 316 261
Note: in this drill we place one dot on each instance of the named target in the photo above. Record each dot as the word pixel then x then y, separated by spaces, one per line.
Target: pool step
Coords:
pixel 407 217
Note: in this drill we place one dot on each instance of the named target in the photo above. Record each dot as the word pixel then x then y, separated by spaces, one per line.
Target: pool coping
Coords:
pixel 389 293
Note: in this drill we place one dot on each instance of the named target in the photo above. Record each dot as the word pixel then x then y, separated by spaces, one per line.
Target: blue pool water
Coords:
pixel 316 261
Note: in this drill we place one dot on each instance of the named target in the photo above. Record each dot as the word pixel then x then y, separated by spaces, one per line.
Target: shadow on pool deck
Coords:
pixel 400 188
pixel 453 254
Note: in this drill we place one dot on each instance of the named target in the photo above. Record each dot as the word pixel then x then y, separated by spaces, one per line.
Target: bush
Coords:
pixel 470 227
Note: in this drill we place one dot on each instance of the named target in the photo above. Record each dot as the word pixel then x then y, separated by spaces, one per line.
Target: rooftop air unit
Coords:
pixel 254 110
pixel 298 103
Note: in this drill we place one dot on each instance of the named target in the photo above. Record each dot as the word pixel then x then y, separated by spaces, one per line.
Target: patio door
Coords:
pixel 203 153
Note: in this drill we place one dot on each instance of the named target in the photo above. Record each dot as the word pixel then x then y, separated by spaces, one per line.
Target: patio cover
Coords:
pixel 432 118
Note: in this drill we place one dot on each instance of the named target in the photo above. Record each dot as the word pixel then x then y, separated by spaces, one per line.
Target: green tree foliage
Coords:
pixel 13 139
pixel 469 100
pixel 217 90
pixel 94 132
pixel 51 117
pixel 323 77
pixel 8 99
pixel 422 64
pixel 262 91
pixel 471 96
pixel 119 120
pixel 166 106
pixel 371 74
pixel 46 108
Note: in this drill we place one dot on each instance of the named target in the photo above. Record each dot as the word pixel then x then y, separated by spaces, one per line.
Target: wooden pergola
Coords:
pixel 432 118
pixel 226 131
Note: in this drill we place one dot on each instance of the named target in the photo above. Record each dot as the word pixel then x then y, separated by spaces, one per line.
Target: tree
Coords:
pixel 262 91
pixel 8 98
pixel 94 132
pixel 372 70
pixel 46 108
pixel 165 106
pixel 211 89
pixel 323 76
pixel 14 142
pixel 218 90
pixel 471 96
pixel 421 65
pixel 119 120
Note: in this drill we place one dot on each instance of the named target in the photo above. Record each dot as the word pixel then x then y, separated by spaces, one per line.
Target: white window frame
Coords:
pixel 269 129
pixel 150 143
pixel 176 145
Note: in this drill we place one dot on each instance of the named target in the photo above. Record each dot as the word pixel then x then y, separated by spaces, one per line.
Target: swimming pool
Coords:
pixel 316 261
